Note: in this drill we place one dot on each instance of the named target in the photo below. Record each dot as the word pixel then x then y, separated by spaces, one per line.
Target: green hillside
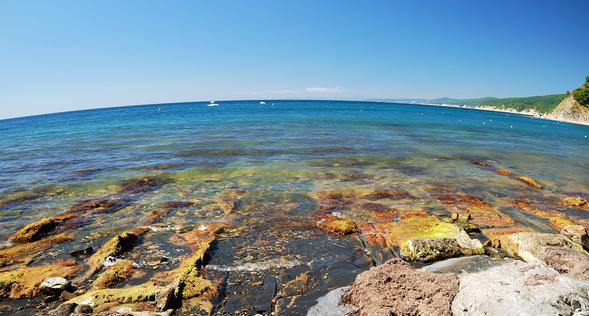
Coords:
pixel 542 104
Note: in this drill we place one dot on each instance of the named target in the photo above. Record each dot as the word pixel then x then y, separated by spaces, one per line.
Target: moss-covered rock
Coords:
pixel 530 181
pixel 575 201
pixel 25 252
pixel 114 275
pixel 37 230
pixel 24 282
pixel 337 226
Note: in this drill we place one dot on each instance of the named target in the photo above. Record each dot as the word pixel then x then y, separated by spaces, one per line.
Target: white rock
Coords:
pixel 520 288
pixel 328 305
pixel 54 285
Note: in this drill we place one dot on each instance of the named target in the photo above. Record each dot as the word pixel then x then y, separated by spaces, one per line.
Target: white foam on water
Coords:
pixel 258 266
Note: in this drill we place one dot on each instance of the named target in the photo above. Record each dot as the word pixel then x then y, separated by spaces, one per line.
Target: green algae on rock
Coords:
pixel 37 230
pixel 24 282
pixel 337 226
pixel 117 273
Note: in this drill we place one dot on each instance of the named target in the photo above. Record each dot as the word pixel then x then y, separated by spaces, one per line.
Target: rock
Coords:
pixel 556 219
pixel 297 286
pixel 428 249
pixel 567 261
pixel 143 185
pixel 37 230
pixel 329 305
pixel 117 245
pixel 520 288
pixel 334 225
pixel 24 282
pixel 24 252
pixel 100 205
pixel 576 201
pixel 466 264
pixel 578 234
pixel 504 172
pixel 54 285
pixel 82 252
pixel 171 297
pixel 553 249
pixel 395 288
pixel 65 309
pixel 529 181
pixel 117 273
pixel 83 309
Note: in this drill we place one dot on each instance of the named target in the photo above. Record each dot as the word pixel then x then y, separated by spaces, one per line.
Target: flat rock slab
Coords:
pixel 329 305
pixel 520 288
pixel 467 264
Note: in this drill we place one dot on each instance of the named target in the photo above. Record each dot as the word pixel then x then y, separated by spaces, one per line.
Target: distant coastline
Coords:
pixel 527 112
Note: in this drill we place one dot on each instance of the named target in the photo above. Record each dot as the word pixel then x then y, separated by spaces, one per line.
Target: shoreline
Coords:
pixel 528 113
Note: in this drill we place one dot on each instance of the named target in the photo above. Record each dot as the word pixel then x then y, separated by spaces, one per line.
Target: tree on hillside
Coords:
pixel 582 94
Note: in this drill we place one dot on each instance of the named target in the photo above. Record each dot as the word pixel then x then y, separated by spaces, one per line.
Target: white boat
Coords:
pixel 262 102
pixel 212 103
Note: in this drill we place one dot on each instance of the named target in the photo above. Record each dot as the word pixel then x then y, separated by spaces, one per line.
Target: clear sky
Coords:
pixel 63 55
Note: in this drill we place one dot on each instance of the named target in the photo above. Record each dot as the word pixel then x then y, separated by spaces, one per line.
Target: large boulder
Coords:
pixel 396 288
pixel 520 288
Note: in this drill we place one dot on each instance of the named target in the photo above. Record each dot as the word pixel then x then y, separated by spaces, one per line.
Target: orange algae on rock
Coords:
pixel 23 253
pixel 529 181
pixel 37 230
pixel 575 201
pixel 504 172
pixel 557 219
pixel 480 212
pixel 24 282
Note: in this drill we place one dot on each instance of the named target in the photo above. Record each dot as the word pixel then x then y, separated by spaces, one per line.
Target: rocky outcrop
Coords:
pixel 569 110
pixel 396 288
pixel 520 288
pixel 555 250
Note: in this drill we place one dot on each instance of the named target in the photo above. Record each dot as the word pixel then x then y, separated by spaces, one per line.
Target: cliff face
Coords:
pixel 571 111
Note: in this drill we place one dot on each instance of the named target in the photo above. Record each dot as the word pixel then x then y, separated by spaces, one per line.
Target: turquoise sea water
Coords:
pixel 277 155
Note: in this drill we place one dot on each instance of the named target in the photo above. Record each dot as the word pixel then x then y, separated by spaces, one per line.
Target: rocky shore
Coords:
pixel 341 250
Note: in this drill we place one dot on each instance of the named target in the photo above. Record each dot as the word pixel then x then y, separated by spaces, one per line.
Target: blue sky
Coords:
pixel 63 55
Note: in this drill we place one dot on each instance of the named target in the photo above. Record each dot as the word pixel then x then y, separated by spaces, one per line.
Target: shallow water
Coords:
pixel 270 159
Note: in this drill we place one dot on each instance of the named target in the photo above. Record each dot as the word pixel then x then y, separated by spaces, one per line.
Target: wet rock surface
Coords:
pixel 241 241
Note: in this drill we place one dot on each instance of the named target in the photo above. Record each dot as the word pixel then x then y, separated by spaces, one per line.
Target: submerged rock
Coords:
pixel 530 182
pixel 395 288
pixel 101 205
pixel 37 230
pixel 576 201
pixel 556 219
pixel 23 253
pixel 520 288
